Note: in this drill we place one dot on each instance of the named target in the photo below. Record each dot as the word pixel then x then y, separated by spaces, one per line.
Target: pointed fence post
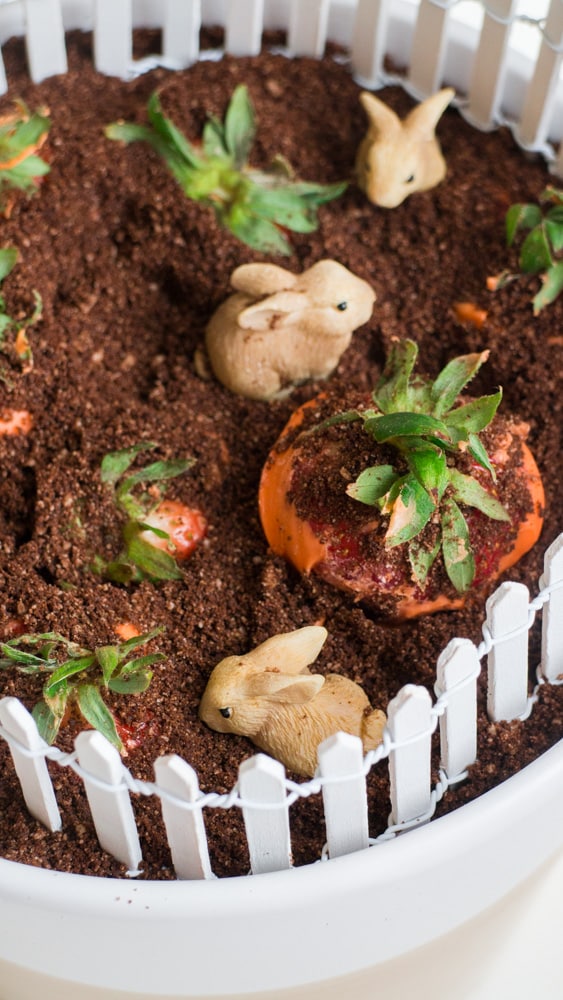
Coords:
pixel 108 798
pixel 45 39
pixel 262 781
pixel 32 772
pixel 428 47
pixel 185 829
pixel 489 66
pixel 410 726
pixel 244 27
pixel 368 40
pixel 457 671
pixel 552 624
pixel 542 89
pixel 341 757
pixel 307 27
pixel 113 37
pixel 507 662
pixel 180 31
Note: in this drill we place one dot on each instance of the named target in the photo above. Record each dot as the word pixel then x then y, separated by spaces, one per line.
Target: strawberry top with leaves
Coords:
pixel 22 133
pixel 450 494
pixel 157 533
pixel 255 205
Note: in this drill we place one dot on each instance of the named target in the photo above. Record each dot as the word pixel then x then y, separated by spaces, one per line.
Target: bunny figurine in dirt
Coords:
pixel 270 696
pixel 279 329
pixel 398 157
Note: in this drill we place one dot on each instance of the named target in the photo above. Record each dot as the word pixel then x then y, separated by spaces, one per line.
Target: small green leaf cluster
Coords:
pixel 419 419
pixel 540 252
pixel 77 677
pixel 8 260
pixel 256 206
pixel 139 560
pixel 21 134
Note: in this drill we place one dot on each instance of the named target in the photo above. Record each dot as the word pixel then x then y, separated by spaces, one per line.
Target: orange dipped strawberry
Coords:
pixel 412 500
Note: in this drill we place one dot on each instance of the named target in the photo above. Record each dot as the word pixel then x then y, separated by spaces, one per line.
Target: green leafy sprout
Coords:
pixel 80 677
pixel 22 133
pixel 139 560
pixel 256 206
pixel 541 251
pixel 8 325
pixel 419 419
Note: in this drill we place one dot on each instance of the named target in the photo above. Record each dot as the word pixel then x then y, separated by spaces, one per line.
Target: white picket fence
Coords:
pixel 265 794
pixel 502 56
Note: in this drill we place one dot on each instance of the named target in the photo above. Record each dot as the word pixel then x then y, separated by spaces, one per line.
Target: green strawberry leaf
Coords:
pixel 239 126
pixel 402 424
pixel 108 658
pixel 393 392
pixel 554 228
pixel 552 284
pixel 411 512
pixel 456 548
pixel 8 260
pixel 521 217
pixel 468 491
pixel 96 713
pixel 453 379
pixel 372 484
pixel 473 417
pixel 478 451
pixel 152 562
pixel 431 470
pixel 47 721
pixel 70 668
pixel 535 253
pixel 134 683
pixel 115 463
pixel 422 558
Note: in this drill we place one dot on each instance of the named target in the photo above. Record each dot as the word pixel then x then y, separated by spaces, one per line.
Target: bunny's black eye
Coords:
pixel 226 712
pixel 410 179
pixel 342 306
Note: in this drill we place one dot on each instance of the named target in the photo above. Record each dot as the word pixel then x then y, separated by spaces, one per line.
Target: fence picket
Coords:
pixel 428 48
pixel 108 798
pixel 185 829
pixel 262 780
pixel 244 26
pixel 344 801
pixel 507 662
pixel 36 785
pixel 552 632
pixel 369 37
pixel 45 39
pixel 489 66
pixel 409 723
pixel 180 31
pixel 540 97
pixel 457 672
pixel 113 37
pixel 307 27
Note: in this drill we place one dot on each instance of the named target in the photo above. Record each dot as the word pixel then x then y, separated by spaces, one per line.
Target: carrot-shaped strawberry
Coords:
pixel 411 500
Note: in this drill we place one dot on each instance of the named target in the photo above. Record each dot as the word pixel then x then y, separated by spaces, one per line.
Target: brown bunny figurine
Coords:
pixel 270 696
pixel 280 328
pixel 397 158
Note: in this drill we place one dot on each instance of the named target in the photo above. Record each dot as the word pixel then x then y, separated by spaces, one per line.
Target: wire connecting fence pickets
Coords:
pixel 263 791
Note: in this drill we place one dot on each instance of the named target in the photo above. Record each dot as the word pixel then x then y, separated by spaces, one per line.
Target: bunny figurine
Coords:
pixel 279 328
pixel 270 696
pixel 397 158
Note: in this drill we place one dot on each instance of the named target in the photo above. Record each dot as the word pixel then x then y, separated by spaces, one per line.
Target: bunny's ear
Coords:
pixel 284 689
pixel 261 279
pixel 289 652
pixel 423 119
pixel 283 307
pixel 382 119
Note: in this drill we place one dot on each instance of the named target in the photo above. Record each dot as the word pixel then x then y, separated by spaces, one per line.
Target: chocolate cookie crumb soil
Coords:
pixel 129 273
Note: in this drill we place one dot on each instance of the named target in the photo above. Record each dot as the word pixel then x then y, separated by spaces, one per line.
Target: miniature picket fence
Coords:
pixel 265 794
pixel 502 56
